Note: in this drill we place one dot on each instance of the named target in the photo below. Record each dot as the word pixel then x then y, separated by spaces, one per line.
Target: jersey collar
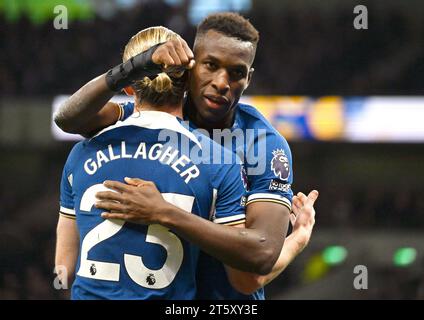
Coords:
pixel 154 120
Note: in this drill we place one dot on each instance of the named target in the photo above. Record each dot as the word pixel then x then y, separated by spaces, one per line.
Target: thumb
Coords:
pixel 134 181
pixel 191 64
pixel 292 219
pixel 312 197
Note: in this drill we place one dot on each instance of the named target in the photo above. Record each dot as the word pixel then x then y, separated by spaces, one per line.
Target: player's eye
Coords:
pixel 211 65
pixel 237 74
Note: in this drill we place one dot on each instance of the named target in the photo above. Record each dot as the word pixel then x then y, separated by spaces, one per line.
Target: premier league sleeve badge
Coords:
pixel 280 164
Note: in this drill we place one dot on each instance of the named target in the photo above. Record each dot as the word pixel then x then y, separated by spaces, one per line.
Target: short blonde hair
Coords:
pixel 163 89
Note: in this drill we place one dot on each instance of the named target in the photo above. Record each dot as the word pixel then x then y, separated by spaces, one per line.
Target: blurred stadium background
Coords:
pixel 347 100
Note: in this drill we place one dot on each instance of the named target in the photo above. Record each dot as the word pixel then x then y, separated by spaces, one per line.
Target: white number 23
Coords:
pixel 139 273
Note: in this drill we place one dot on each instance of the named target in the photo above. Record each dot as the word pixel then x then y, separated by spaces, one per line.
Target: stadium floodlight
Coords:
pixel 334 255
pixel 404 257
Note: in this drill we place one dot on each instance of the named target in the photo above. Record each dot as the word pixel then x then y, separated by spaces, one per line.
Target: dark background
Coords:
pixel 371 199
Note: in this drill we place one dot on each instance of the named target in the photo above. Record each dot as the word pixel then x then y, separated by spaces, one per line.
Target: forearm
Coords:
pixel 67 245
pixel 291 249
pixel 294 244
pixel 241 248
pixel 80 112
pixel 65 262
pixel 247 283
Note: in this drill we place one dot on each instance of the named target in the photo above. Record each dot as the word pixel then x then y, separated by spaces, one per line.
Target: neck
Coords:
pixel 224 123
pixel 175 110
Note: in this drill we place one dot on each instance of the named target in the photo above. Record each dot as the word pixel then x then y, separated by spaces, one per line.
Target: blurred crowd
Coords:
pixel 303 51
pixel 370 207
pixel 28 222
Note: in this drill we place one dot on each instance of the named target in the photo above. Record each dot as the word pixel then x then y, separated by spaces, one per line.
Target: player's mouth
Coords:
pixel 216 102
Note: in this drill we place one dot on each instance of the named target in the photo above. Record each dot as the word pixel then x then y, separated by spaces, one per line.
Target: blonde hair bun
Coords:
pixel 162 89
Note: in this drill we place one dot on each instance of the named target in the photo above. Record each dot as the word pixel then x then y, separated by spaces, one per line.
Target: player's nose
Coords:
pixel 221 82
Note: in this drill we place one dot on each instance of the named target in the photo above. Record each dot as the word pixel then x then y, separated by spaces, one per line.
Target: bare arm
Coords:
pixel 88 109
pixel 303 222
pixel 67 245
pixel 247 283
pixel 253 249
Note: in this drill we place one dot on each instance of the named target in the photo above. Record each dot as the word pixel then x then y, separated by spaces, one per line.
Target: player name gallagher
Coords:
pixel 169 156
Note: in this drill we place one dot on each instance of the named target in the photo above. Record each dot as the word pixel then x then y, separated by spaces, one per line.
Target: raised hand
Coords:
pixel 303 217
pixel 175 56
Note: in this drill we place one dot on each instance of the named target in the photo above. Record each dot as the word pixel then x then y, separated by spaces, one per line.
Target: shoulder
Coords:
pixel 215 158
pixel 251 119
pixel 250 114
pixel 76 153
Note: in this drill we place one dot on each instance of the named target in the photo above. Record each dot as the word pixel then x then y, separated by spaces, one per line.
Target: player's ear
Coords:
pixel 249 77
pixel 129 91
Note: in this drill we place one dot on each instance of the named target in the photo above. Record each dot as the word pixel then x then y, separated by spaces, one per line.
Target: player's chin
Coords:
pixel 216 114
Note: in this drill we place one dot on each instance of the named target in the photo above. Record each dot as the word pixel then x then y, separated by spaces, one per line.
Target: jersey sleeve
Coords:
pixel 229 195
pixel 66 202
pixel 271 178
pixel 66 199
pixel 126 110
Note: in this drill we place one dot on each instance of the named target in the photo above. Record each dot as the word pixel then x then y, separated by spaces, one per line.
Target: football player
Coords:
pixel 224 51
pixel 119 259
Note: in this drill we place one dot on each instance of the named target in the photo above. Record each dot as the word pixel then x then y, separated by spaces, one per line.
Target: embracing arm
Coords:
pixel 88 109
pixel 67 244
pixel 253 249
pixel 303 221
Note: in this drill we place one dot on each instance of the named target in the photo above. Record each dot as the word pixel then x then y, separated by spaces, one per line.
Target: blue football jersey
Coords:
pixel 267 165
pixel 121 260
pixel 269 175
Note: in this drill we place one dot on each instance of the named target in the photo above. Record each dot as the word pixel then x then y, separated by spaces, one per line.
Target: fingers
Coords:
pixel 162 56
pixel 135 181
pixel 292 219
pixel 172 50
pixel 166 60
pixel 308 200
pixel 191 64
pixel 117 186
pixel 312 197
pixel 187 49
pixel 173 54
pixel 185 54
pixel 302 197
pixel 110 206
pixel 296 209
pixel 115 215
pixel 182 55
pixel 109 195
pixel 296 203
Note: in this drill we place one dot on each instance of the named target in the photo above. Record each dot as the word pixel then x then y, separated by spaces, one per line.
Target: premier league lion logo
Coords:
pixel 280 164
pixel 93 269
pixel 151 279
